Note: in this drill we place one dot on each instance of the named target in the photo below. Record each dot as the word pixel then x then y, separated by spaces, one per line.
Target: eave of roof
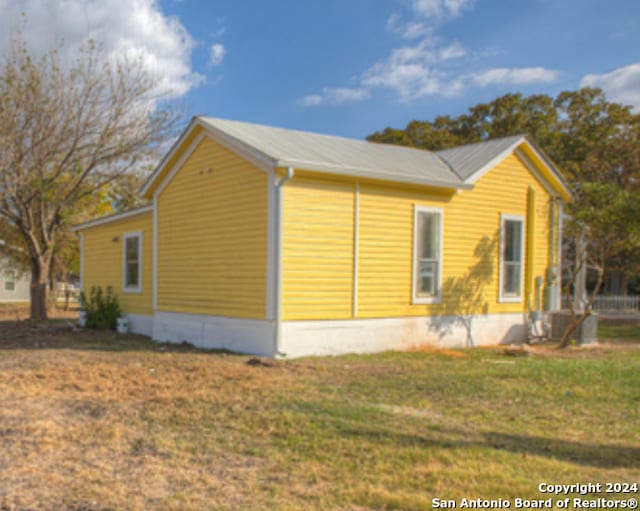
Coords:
pixel 112 218
pixel 271 148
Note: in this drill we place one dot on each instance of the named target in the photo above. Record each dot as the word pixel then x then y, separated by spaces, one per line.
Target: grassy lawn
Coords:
pixel 95 421
pixel 624 330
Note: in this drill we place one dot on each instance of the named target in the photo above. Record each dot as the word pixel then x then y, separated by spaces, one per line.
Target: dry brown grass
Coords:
pixel 92 421
pixel 93 426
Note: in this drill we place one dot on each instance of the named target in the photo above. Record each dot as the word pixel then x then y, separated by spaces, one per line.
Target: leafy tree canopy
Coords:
pixel 589 138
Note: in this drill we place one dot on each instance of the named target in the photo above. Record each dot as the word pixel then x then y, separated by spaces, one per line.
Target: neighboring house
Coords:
pixel 14 284
pixel 286 243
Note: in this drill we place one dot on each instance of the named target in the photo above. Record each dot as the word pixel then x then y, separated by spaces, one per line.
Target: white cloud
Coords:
pixel 220 29
pixel 514 76
pixel 336 96
pixel 312 100
pixel 415 29
pixel 393 23
pixel 412 72
pixel 408 30
pixel 441 9
pixel 621 85
pixel 122 27
pixel 429 66
pixel 218 52
pixel 415 71
pixel 426 15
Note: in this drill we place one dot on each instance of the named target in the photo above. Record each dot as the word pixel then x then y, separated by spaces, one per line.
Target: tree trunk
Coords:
pixel 39 287
pixel 571 329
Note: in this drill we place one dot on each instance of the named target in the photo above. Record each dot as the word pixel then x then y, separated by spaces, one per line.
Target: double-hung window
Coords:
pixel 427 257
pixel 511 258
pixel 132 262
pixel 9 280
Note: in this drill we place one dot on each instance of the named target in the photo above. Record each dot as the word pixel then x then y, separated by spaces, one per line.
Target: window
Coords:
pixel 427 264
pixel 9 280
pixel 511 257
pixel 132 262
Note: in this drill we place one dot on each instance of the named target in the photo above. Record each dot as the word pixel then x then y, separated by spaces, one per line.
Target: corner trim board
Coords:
pixel 356 248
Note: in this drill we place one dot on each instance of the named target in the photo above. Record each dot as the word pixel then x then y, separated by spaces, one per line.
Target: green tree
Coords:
pixel 590 138
pixel 606 226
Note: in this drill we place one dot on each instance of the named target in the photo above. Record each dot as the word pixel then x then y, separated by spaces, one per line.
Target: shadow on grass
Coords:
pixel 62 334
pixel 441 436
pixel 601 455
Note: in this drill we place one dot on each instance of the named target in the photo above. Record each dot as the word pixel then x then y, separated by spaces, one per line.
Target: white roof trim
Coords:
pixel 167 157
pixel 112 218
pixel 259 159
pixel 532 168
pixel 552 170
pixel 347 171
pixel 514 148
pixel 495 161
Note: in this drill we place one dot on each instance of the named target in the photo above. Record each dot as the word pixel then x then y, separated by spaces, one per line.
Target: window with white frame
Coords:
pixel 427 264
pixel 9 279
pixel 511 258
pixel 132 262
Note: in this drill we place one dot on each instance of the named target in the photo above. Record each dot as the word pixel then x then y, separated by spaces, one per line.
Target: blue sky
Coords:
pixel 350 67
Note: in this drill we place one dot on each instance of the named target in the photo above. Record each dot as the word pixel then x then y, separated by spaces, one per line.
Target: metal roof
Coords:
pixel 338 155
pixel 467 160
pixel 270 147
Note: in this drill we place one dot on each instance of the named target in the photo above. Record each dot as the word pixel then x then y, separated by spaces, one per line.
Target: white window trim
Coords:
pixel 125 237
pixel 15 281
pixel 511 299
pixel 437 298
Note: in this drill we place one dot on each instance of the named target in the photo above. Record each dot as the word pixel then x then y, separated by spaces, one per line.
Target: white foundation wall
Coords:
pixel 302 338
pixel 306 338
pixel 140 324
pixel 215 332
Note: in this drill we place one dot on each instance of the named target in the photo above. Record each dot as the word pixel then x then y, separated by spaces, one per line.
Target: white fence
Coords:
pixel 613 303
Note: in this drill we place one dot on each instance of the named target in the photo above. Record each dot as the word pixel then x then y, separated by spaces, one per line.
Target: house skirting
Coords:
pixel 300 338
pixel 215 332
pixel 331 337
pixel 140 324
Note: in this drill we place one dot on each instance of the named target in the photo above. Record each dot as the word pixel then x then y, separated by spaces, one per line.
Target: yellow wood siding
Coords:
pixel 319 245
pixel 317 249
pixel 103 261
pixel 212 236
pixel 385 268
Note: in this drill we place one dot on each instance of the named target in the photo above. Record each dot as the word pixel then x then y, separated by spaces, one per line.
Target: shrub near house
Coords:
pixel 286 243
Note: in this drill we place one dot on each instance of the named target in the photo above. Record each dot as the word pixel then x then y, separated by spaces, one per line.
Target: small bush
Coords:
pixel 102 308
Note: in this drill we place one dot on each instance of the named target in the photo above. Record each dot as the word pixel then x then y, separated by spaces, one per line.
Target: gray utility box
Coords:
pixel 587 332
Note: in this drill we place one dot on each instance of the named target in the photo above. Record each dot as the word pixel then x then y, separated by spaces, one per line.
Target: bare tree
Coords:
pixel 67 131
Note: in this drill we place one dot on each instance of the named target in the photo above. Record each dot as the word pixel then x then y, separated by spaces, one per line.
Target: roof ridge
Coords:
pixel 489 141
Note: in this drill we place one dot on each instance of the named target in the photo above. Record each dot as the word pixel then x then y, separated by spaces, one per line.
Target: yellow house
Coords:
pixel 286 243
